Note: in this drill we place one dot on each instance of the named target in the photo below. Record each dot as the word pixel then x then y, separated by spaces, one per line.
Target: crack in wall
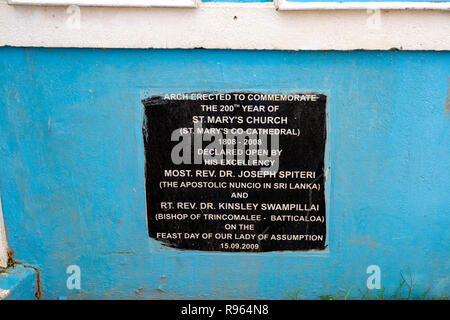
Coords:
pixel 12 263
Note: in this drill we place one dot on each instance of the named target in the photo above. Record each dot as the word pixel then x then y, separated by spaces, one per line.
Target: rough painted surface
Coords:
pixel 18 283
pixel 72 173
pixel 240 26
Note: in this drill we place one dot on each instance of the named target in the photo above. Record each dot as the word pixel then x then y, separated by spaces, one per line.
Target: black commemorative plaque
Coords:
pixel 237 171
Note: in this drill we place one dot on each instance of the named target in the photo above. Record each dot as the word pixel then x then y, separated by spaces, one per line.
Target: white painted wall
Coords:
pixel 3 244
pixel 223 26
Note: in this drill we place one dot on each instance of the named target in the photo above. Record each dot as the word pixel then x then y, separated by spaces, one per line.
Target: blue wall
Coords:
pixel 72 174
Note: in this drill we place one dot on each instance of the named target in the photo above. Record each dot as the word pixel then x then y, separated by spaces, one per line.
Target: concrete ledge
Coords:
pixel 111 3
pixel 18 283
pixel 357 5
pixel 223 26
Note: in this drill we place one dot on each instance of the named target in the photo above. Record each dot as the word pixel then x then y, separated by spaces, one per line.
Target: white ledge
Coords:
pixel 110 3
pixel 223 26
pixel 285 5
pixel 282 5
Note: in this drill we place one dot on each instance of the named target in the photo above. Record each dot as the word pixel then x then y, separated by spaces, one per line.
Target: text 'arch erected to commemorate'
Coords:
pixel 236 171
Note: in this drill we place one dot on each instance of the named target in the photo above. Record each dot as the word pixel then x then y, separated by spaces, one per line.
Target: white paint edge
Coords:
pixel 4 293
pixel 3 243
pixel 285 5
pixel 253 26
pixel 110 3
